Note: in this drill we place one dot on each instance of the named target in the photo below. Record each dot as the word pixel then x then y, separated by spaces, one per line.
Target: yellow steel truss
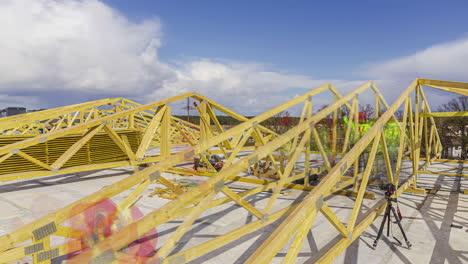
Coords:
pixel 96 135
pixel 417 132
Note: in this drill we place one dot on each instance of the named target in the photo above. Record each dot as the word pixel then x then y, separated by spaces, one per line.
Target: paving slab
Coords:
pixel 436 224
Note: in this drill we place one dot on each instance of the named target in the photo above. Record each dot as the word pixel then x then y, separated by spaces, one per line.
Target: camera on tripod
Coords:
pixel 389 189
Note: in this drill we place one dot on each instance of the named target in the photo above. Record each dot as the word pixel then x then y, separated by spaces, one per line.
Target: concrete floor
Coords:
pixel 436 224
pixel 428 221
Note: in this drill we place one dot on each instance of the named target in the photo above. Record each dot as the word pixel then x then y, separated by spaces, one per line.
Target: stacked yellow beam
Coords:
pixel 100 149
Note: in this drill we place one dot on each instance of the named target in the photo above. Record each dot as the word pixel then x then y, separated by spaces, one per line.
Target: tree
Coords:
pixel 366 110
pixel 399 114
pixel 453 131
pixel 280 122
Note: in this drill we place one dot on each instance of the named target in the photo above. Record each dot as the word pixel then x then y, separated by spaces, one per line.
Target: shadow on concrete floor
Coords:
pixel 57 180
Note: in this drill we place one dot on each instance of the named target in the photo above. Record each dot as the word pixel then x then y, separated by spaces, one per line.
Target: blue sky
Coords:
pixel 247 55
pixel 327 39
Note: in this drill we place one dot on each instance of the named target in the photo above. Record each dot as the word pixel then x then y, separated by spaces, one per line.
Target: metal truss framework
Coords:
pixel 418 136
pixel 100 134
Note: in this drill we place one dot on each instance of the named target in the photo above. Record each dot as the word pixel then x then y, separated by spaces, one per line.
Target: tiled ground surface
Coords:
pixel 436 224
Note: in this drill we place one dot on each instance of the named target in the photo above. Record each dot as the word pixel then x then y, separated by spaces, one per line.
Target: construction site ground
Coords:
pixel 436 223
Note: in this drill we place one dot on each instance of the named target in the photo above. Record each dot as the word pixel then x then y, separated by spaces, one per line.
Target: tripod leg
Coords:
pixel 387 214
pixel 389 206
pixel 401 228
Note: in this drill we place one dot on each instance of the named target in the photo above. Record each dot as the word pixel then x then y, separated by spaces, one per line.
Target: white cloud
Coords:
pixel 445 61
pixel 64 52
pixel 57 52
pixel 442 61
pixel 77 46
pixel 245 87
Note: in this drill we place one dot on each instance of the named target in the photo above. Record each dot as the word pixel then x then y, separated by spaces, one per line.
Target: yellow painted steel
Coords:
pixel 446 114
pixel 309 206
pixel 454 87
pixel 152 124
pixel 95 135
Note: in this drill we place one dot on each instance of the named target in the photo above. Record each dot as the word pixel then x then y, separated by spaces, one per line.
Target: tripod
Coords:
pixel 386 218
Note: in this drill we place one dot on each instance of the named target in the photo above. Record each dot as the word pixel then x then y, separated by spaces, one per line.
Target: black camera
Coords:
pixel 389 189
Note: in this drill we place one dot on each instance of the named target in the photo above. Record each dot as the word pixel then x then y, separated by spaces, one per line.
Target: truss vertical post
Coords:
pixel 334 133
pixel 165 133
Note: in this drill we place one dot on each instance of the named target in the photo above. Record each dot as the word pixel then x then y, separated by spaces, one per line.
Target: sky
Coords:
pixel 247 55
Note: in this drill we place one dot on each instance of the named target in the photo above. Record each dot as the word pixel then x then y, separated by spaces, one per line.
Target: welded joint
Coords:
pixel 189 154
pixel 264 218
pixel 104 122
pixel 319 203
pixel 253 160
pixel 141 159
pixel 343 168
pixel 312 125
pixel 255 125
pixel 177 260
pixel 309 98
pixel 107 256
pixel 55 170
pixel 154 176
pixel 42 139
pixel 37 122
pixel 337 185
pixel 14 151
pixel 218 186
pixel 350 236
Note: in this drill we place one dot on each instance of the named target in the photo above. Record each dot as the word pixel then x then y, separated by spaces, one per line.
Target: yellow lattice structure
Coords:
pixel 340 172
pixel 96 135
